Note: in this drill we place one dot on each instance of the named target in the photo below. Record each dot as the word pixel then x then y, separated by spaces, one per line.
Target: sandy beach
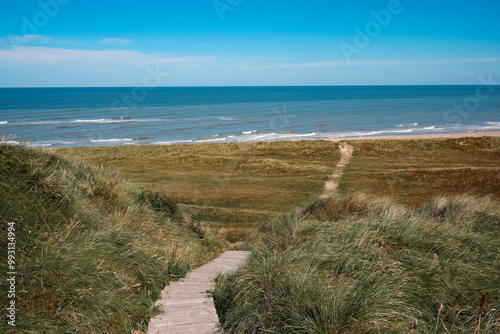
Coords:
pixel 425 136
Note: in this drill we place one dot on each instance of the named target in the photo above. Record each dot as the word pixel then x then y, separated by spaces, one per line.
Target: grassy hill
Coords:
pixel 92 251
pixel 364 264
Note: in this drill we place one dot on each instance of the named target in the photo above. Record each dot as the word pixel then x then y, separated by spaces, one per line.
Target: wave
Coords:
pixel 434 127
pixel 173 142
pixel 90 121
pixel 210 140
pixel 103 121
pixel 4 122
pixel 249 132
pixel 11 142
pixel 487 126
pixel 271 136
pixel 411 124
pixel 62 142
pixel 111 140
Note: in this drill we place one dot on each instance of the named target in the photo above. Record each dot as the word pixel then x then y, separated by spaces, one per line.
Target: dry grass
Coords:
pixel 231 186
pixel 414 171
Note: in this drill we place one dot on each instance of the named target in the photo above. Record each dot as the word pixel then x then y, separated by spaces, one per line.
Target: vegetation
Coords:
pixel 228 186
pixel 414 171
pixel 364 264
pixel 93 252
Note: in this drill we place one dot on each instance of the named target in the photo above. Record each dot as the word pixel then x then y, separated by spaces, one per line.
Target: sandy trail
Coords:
pixel 331 185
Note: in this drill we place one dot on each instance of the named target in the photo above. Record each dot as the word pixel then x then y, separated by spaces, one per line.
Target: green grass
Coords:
pixel 364 264
pixel 92 252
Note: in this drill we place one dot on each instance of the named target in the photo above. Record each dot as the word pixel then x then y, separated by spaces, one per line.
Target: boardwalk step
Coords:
pixel 187 306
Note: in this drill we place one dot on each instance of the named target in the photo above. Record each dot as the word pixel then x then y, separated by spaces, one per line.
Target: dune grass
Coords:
pixel 93 252
pixel 365 264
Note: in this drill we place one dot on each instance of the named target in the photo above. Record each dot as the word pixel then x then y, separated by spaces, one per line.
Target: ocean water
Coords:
pixel 59 117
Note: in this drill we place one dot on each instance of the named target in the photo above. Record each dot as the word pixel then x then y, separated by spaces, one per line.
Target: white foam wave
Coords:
pixel 103 120
pixel 388 131
pixel 96 121
pixel 489 126
pixel 3 123
pixel 274 136
pixel 88 121
pixel 62 142
pixel 211 140
pixel 39 145
pixel 45 122
pixel 111 140
pixel 411 124
pixel 173 142
pixel 249 132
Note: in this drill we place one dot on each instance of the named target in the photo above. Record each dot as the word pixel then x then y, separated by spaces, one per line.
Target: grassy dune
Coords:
pixel 93 252
pixel 361 264
pixel 231 187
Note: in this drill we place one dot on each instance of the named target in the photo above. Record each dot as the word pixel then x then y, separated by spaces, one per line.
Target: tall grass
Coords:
pixel 362 264
pixel 93 252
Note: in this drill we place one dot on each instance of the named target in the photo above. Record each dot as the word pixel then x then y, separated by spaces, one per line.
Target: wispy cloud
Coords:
pixel 115 41
pixel 16 40
pixel 93 59
pixel 391 62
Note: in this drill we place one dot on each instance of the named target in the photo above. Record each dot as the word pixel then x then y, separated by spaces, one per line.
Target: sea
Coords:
pixel 68 117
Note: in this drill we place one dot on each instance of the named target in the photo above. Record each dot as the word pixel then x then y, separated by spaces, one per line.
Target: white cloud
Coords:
pixel 345 63
pixel 33 55
pixel 115 41
pixel 16 40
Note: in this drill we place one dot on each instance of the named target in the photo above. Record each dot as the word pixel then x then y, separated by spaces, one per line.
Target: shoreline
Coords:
pixel 423 136
pixel 474 134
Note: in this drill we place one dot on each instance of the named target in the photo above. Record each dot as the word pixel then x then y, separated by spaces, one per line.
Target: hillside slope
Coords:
pixel 363 264
pixel 92 252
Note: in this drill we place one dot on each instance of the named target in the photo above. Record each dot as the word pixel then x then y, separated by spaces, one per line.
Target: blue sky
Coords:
pixel 70 43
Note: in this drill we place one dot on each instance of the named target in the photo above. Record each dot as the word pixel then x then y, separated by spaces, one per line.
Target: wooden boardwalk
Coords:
pixel 187 306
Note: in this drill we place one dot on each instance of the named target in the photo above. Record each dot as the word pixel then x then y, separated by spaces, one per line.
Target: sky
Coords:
pixel 76 43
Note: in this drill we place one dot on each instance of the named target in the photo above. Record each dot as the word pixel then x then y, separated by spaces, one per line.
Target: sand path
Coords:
pixel 331 186
pixel 187 306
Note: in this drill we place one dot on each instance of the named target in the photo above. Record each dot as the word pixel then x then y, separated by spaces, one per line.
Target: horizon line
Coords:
pixel 242 86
